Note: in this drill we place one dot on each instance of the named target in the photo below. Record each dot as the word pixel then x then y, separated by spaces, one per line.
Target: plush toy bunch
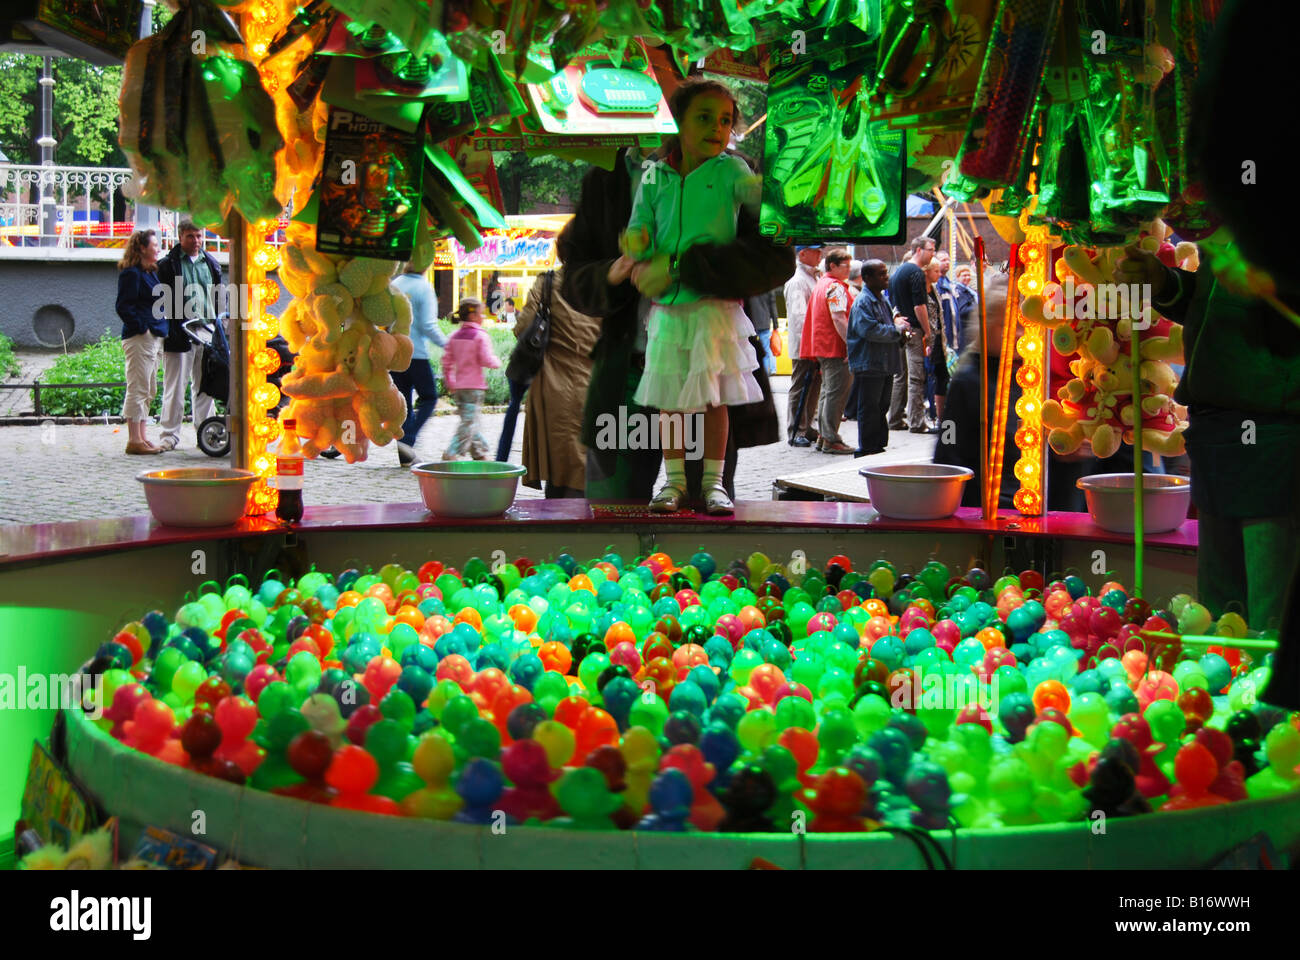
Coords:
pixel 349 329
pixel 1106 400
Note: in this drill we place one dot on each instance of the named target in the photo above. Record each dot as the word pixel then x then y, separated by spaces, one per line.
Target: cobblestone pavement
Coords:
pixel 56 472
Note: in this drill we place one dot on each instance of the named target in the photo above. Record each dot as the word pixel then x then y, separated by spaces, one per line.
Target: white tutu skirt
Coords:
pixel 698 355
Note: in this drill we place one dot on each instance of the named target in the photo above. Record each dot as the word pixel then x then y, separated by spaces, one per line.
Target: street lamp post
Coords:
pixel 49 212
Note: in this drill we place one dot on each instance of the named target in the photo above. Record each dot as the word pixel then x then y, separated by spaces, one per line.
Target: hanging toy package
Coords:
pixel 829 171
pixel 1013 70
pixel 370 189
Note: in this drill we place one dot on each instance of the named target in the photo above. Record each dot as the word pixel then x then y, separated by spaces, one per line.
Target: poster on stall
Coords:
pixel 370 189
pixel 830 174
pixel 52 805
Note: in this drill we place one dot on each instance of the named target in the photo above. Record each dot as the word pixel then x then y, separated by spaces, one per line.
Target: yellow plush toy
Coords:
pixel 349 328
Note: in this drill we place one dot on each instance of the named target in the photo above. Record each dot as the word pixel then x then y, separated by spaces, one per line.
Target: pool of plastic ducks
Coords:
pixel 655 694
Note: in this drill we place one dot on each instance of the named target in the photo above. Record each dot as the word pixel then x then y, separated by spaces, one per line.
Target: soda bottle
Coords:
pixel 288 474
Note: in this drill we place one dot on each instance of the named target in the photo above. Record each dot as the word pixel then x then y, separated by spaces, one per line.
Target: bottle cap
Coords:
pixel 290 424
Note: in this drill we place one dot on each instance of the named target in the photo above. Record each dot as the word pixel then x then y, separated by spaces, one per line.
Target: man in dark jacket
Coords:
pixel 1242 391
pixel 190 275
pixel 874 357
pixel 588 247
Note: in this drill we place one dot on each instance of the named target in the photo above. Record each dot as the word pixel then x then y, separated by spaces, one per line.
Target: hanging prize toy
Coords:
pixel 609 90
pixel 914 54
pixel 1119 129
pixel 1009 83
pixel 1189 212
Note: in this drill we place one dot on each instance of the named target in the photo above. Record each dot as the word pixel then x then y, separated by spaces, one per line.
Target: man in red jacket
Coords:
pixel 825 333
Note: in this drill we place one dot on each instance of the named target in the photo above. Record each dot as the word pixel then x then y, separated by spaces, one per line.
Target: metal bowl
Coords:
pixel 916 491
pixel 468 488
pixel 1165 499
pixel 197 496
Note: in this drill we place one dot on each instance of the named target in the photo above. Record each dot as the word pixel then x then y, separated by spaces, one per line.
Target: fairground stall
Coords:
pixel 512 258
pixel 473 682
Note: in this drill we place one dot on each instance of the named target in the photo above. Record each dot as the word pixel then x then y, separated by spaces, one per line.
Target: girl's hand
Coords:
pixel 651 276
pixel 620 270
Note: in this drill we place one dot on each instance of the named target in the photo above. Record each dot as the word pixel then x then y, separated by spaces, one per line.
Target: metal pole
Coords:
pixel 1139 484
pixel 237 330
pixel 146 216
pixel 49 212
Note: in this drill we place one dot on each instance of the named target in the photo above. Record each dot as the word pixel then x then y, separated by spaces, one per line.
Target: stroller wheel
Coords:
pixel 214 438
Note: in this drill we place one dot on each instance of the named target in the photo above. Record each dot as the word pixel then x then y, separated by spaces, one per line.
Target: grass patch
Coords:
pixel 103 361
pixel 8 362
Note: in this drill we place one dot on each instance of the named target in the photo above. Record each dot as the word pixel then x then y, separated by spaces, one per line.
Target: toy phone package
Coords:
pixel 370 189
pixel 828 171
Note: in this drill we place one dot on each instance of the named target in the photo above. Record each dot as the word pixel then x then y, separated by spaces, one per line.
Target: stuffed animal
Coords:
pixel 349 328
pixel 1097 403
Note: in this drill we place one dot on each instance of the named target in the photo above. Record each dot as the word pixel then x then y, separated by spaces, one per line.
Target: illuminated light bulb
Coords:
pixel 264 465
pixel 266 395
pixel 258 50
pixel 268 327
pixel 266 360
pixel 270 291
pixel 1032 253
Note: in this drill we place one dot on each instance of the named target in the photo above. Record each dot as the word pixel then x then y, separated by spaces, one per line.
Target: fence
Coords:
pixel 36 387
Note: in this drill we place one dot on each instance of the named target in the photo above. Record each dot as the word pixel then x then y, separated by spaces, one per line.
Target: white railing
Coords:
pixel 83 201
pixel 82 198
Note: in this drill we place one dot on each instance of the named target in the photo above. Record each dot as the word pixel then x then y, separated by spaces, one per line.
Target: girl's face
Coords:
pixel 705 130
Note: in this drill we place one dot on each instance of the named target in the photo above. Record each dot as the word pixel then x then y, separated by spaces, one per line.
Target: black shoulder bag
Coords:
pixel 526 358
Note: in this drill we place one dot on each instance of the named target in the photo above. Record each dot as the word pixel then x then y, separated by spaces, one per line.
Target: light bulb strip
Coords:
pixel 1033 378
pixel 259 26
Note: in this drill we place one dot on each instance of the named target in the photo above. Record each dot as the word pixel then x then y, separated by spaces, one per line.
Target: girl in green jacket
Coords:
pixel 698 355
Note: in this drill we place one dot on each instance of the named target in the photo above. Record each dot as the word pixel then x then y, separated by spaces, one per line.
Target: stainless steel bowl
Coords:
pixel 468 488
pixel 1165 499
pixel 916 491
pixel 197 496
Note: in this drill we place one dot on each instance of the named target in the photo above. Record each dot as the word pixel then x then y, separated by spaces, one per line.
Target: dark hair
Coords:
pixel 465 308
pixel 187 226
pixel 680 101
pixel 838 255
pixel 510 300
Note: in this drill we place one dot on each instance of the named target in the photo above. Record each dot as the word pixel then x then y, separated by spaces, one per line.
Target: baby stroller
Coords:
pixel 213 433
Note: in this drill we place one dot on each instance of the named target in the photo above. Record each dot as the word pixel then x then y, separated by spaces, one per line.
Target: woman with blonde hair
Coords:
pixel 144 324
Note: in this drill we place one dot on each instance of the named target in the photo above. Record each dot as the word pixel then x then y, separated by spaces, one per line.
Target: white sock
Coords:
pixel 676 470
pixel 712 475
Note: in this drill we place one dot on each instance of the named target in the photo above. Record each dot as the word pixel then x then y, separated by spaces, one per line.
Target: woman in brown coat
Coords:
pixel 553 449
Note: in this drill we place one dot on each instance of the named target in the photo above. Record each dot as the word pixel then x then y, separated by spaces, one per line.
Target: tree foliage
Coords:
pixel 85 111
pixel 527 181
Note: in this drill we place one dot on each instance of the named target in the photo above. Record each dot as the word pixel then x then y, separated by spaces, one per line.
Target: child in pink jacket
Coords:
pixel 467 352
